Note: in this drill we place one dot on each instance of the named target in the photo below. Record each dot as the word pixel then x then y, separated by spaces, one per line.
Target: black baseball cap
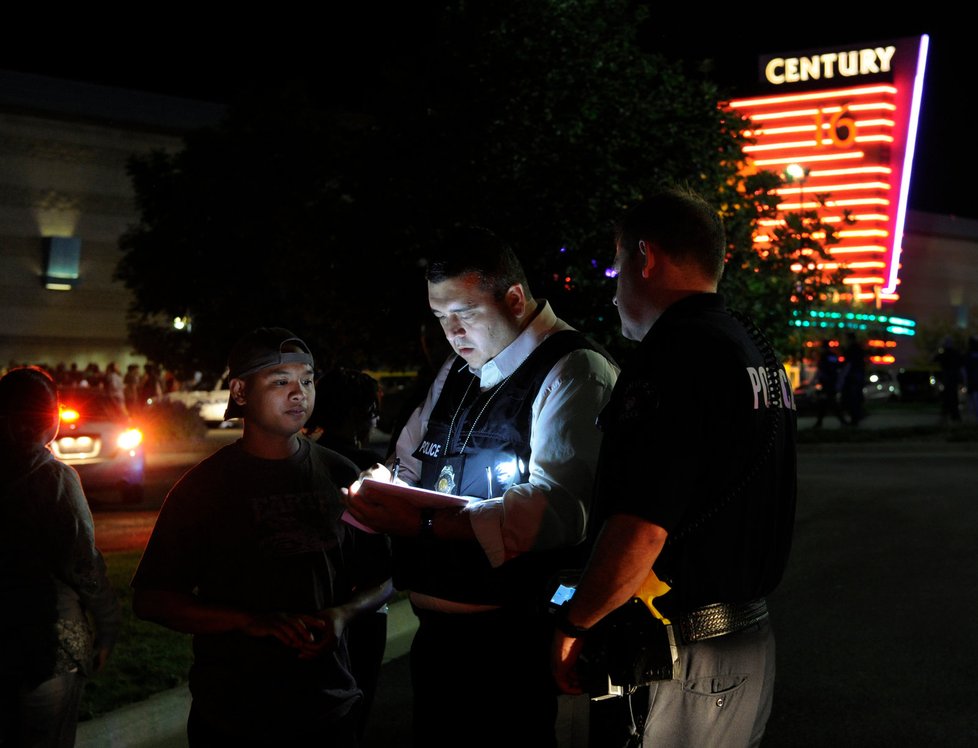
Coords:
pixel 259 349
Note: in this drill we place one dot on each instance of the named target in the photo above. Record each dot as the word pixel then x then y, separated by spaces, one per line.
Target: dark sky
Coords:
pixel 213 64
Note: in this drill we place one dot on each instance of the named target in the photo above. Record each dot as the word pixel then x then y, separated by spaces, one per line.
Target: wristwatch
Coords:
pixel 561 622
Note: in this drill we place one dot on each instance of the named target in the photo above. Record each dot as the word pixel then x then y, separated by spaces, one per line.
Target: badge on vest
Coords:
pixel 450 474
pixel 446 480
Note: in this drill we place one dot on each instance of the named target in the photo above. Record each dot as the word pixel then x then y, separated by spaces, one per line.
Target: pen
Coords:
pixel 489 481
pixel 395 468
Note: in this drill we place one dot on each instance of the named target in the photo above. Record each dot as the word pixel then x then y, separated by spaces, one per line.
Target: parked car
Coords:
pixel 926 385
pixel 881 384
pixel 209 398
pixel 99 441
pixel 919 385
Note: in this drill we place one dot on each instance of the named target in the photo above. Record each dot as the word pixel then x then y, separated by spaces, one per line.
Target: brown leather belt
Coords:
pixel 720 619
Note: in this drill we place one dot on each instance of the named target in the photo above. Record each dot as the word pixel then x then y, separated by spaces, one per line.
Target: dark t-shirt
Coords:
pixel 694 423
pixel 264 535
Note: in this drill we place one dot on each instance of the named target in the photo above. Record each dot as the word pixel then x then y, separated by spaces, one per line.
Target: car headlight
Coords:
pixel 129 439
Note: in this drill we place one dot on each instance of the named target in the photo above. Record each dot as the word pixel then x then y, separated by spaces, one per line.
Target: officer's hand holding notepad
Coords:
pixel 394 495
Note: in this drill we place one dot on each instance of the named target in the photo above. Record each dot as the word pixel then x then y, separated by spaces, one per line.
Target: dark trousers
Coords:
pixel 483 679
pixel 825 403
pixel 202 734
pixel 367 639
pixel 45 715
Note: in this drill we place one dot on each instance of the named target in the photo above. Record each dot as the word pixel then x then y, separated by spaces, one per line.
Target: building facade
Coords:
pixel 65 200
pixel 938 278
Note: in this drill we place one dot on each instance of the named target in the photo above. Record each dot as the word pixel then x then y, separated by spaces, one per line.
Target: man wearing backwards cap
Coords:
pixel 250 556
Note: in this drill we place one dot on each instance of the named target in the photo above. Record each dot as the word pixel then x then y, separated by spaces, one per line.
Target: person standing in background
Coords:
pixel 131 382
pixel 347 405
pixel 949 358
pixel 853 379
pixel 971 374
pixel 63 616
pixel 827 386
pixel 115 388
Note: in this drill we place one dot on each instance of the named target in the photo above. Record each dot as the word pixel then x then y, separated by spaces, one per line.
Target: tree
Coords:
pixel 783 275
pixel 312 204
pixel 253 223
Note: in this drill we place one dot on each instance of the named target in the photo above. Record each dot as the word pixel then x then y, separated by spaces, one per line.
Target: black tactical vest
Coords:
pixel 478 445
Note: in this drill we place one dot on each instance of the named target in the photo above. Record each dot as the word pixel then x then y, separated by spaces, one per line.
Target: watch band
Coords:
pixel 561 622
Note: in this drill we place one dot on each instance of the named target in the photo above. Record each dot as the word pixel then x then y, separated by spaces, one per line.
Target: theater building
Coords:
pixel 840 126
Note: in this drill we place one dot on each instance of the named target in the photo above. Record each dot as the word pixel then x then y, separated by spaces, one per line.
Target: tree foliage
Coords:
pixel 783 275
pixel 311 205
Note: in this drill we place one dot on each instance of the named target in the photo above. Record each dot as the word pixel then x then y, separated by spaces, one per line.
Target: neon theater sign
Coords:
pixel 846 120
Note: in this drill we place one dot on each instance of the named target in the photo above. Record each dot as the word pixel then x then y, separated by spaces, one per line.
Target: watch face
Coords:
pixel 563 594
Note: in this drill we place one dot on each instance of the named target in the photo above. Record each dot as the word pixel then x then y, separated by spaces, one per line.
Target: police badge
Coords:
pixel 446 480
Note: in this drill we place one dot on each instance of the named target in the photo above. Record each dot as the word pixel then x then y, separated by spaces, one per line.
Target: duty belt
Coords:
pixel 720 619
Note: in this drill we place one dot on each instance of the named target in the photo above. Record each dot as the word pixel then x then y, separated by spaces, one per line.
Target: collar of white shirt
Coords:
pixel 509 359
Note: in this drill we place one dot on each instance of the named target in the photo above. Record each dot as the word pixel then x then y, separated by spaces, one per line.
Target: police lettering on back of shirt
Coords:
pixel 763 390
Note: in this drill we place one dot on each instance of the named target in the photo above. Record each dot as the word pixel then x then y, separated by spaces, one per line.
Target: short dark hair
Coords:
pixel 341 392
pixel 29 407
pixel 681 223
pixel 474 249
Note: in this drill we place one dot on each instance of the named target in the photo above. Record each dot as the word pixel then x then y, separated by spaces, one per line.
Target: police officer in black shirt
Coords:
pixel 695 494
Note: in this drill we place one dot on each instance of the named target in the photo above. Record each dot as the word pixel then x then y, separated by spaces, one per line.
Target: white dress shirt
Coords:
pixel 550 510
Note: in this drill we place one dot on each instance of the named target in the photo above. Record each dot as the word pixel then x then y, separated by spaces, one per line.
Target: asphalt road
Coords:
pixel 122 527
pixel 875 619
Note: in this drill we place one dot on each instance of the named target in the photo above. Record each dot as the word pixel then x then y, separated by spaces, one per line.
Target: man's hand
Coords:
pixel 304 633
pixel 376 472
pixel 381 513
pixel 326 629
pixel 564 656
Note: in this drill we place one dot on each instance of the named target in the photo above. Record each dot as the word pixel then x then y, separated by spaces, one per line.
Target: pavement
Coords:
pixel 160 721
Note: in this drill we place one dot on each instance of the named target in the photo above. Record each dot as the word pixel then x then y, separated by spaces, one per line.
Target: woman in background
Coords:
pixel 61 616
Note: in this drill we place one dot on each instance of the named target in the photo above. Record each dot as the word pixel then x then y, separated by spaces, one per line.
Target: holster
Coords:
pixel 629 647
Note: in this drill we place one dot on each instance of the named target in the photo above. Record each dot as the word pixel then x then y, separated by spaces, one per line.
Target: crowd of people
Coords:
pixel 130 391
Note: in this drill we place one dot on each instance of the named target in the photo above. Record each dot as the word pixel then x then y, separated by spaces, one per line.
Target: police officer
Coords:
pixel 510 423
pixel 696 482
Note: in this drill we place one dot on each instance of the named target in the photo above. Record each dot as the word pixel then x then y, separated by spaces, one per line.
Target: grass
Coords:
pixel 147 658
